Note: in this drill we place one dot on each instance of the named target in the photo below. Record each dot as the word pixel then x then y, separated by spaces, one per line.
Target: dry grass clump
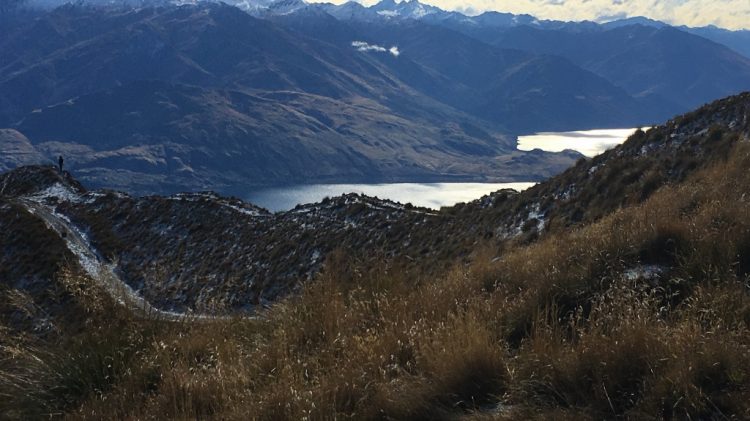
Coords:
pixel 642 315
pixel 90 352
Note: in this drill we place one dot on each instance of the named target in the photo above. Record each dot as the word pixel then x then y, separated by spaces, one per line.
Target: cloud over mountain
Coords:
pixel 365 47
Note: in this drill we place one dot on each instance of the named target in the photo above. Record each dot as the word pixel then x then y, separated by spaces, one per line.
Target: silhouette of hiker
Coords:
pixel 60 161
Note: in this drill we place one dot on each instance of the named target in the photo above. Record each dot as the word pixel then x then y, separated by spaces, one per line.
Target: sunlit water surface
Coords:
pixel 436 195
pixel 587 142
pixel 429 195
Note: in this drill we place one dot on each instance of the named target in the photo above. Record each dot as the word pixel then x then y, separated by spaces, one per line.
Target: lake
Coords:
pixel 587 142
pixel 429 195
pixel 436 195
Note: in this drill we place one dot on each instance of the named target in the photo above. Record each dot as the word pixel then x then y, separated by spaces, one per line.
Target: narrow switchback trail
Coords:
pixel 103 272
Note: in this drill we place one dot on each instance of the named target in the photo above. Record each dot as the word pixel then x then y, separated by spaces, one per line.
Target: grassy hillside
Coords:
pixel 642 313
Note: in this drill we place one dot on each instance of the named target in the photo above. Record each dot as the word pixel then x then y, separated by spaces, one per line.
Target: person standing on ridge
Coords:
pixel 60 163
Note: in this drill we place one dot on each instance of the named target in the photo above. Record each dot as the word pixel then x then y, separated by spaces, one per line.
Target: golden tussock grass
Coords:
pixel 642 315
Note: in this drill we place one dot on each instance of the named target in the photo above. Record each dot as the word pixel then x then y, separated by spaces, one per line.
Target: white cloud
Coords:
pixel 365 47
pixel 732 14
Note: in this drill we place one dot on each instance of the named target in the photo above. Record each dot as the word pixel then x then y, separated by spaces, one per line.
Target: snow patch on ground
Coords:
pixel 535 213
pixel 194 197
pixel 567 193
pixel 92 197
pixel 245 211
pixel 56 192
pixel 516 229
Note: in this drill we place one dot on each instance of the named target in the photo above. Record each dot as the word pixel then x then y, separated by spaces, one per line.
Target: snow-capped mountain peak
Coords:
pixel 276 7
pixel 406 9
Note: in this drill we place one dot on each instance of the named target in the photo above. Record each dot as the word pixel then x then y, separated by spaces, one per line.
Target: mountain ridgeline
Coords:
pixel 159 98
pixel 200 251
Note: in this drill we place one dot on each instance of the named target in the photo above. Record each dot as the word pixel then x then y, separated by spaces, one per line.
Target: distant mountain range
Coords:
pixel 413 9
pixel 154 97
pixel 648 58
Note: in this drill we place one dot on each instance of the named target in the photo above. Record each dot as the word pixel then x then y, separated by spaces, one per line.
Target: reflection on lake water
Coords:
pixel 430 195
pixel 587 142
